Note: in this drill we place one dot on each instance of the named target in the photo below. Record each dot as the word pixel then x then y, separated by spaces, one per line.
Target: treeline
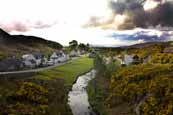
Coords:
pixel 74 45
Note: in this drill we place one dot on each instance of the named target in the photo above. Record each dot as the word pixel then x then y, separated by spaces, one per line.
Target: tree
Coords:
pixel 88 45
pixel 82 46
pixel 136 59
pixel 73 45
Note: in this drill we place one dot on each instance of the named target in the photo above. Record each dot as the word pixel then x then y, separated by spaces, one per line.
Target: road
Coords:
pixel 36 70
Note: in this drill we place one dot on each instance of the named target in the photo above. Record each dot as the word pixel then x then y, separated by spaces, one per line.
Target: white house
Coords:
pixel 64 57
pixel 29 60
pixel 74 53
pixel 54 58
pixel 82 52
pixel 128 59
pixel 58 57
pixel 67 56
pixel 39 58
pixel 120 59
pixel 33 60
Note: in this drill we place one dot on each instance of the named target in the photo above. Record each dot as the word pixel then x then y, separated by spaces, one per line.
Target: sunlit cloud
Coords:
pixel 150 4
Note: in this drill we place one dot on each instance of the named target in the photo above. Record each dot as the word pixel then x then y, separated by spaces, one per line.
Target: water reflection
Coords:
pixel 78 97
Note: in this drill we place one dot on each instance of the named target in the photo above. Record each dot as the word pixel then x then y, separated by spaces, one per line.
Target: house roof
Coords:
pixel 38 55
pixel 54 55
pixel 27 55
pixel 168 50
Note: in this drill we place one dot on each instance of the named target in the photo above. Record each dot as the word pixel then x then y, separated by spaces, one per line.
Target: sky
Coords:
pixel 95 22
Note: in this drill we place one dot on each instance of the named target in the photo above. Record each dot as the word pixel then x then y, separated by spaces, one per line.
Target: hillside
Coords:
pixel 19 44
pixel 149 44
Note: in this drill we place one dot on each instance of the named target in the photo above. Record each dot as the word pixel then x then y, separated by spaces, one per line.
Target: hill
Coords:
pixel 148 44
pixel 19 44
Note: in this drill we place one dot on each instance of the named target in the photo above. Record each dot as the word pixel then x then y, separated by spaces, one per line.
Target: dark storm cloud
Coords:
pixel 120 6
pixel 138 16
pixel 161 15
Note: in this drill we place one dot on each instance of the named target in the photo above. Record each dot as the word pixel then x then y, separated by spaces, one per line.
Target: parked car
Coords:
pixel 50 63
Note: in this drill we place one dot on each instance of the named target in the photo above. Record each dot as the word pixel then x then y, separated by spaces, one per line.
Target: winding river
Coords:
pixel 78 97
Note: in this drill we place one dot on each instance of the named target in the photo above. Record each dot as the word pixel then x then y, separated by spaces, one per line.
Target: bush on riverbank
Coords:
pixel 98 88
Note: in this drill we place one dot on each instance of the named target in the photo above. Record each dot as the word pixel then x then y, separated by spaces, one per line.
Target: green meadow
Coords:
pixel 68 72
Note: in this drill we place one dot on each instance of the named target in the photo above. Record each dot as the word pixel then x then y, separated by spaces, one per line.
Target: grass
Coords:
pixel 69 72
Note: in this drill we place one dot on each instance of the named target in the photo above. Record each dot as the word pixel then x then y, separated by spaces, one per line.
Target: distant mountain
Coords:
pixel 20 44
pixel 149 44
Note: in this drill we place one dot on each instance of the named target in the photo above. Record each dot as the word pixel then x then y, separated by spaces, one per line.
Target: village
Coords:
pixel 38 60
pixel 133 58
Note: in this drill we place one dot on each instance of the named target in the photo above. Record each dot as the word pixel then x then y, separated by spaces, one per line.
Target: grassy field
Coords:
pixel 44 93
pixel 69 72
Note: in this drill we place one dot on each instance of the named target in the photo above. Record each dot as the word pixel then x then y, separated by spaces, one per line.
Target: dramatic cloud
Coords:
pixel 138 13
pixel 162 15
pixel 120 6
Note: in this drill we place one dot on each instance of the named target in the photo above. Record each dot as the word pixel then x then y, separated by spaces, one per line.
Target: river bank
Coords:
pixel 98 92
pixel 53 86
pixel 99 88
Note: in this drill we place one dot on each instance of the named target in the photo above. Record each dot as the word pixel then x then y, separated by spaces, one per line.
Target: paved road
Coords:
pixel 36 70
